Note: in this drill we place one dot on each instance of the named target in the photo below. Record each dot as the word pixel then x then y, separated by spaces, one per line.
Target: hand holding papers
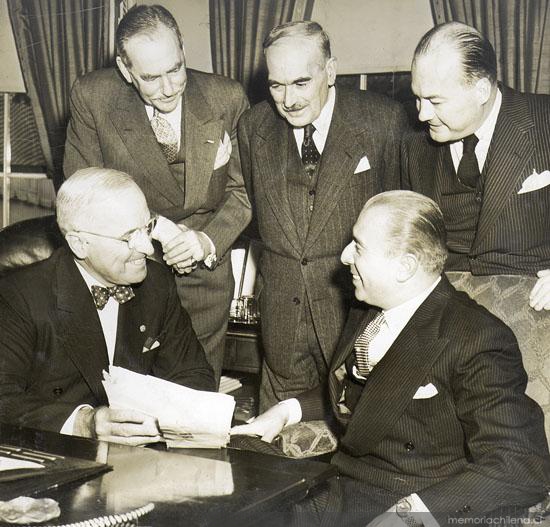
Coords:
pixel 187 418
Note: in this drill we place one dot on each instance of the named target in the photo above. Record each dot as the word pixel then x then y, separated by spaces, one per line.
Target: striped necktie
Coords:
pixel 362 360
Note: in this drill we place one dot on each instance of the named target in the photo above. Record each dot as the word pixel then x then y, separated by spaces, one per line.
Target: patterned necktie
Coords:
pixel 364 365
pixel 166 136
pixel 310 154
pixel 468 168
pixel 121 293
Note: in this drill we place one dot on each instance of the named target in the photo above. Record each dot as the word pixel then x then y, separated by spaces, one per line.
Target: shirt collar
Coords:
pixel 397 317
pixel 322 123
pixel 485 131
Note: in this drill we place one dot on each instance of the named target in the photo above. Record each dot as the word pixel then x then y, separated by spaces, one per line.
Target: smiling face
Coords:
pixel 156 68
pixel 452 107
pixel 374 273
pixel 115 262
pixel 299 78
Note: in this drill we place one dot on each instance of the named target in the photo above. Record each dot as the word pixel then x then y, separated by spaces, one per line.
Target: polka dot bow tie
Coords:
pixel 121 293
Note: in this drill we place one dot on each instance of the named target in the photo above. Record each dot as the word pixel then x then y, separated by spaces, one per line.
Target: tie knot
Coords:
pixel 121 293
pixel 308 131
pixel 469 143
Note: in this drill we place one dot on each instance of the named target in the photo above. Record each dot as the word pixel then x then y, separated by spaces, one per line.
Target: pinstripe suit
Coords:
pixel 476 446
pixel 513 234
pixel 300 266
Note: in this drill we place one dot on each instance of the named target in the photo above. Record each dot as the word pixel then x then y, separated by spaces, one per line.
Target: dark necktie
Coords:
pixel 310 154
pixel 121 293
pixel 362 344
pixel 166 136
pixel 468 168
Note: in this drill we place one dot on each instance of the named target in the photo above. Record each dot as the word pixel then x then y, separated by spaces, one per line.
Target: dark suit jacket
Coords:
pixel 109 127
pixel 513 234
pixel 52 350
pixel 477 445
pixel 363 124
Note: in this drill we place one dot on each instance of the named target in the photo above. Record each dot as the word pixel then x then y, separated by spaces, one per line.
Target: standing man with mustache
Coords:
pixel 175 131
pixel 310 159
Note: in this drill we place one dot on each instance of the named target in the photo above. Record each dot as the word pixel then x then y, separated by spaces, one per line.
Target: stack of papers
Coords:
pixel 229 384
pixel 187 418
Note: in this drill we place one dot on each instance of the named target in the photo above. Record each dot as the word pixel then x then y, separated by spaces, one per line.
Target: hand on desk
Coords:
pixel 128 427
pixel 539 298
pixel 267 425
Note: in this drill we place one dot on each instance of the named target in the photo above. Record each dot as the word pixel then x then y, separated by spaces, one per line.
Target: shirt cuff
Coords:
pixel 210 258
pixel 294 411
pixel 419 506
pixel 68 426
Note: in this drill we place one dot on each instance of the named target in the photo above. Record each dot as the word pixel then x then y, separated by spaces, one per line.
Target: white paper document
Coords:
pixel 187 418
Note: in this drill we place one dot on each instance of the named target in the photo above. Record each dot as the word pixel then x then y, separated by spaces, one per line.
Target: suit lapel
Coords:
pixel 507 159
pixel 272 161
pixel 202 135
pixel 344 148
pixel 130 119
pixel 395 379
pixel 80 333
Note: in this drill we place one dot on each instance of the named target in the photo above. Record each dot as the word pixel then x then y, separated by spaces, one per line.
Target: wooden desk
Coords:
pixel 188 487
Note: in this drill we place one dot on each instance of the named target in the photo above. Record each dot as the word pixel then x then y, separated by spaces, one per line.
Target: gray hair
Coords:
pixel 304 29
pixel 80 197
pixel 143 19
pixel 476 53
pixel 415 226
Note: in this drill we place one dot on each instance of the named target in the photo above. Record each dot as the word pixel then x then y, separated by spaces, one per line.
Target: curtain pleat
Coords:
pixel 519 31
pixel 237 31
pixel 57 41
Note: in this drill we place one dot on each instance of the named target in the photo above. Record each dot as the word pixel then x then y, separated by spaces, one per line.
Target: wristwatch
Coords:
pixel 403 508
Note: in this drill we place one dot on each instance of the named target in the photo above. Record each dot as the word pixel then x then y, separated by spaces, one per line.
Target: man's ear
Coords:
pixel 330 67
pixel 408 264
pixel 78 245
pixel 483 90
pixel 123 69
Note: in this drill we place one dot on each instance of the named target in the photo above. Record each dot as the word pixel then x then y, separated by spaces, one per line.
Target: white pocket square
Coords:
pixel 535 182
pixel 426 392
pixel 362 165
pixel 224 152
pixel 150 347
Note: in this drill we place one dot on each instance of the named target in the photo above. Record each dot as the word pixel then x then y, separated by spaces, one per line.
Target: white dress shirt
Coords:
pixel 484 133
pixel 108 318
pixel 321 124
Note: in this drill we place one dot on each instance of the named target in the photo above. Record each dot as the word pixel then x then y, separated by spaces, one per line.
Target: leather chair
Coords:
pixel 28 241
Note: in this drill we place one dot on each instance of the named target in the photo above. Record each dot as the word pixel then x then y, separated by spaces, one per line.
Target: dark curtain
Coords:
pixel 57 41
pixel 237 30
pixel 519 31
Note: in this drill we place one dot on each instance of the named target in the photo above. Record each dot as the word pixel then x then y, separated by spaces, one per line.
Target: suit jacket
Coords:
pixel 363 124
pixel 52 350
pixel 513 235
pixel 109 128
pixel 477 445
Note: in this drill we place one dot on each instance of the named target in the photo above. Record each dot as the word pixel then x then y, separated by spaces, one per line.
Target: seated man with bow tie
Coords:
pixel 95 302
pixel 427 387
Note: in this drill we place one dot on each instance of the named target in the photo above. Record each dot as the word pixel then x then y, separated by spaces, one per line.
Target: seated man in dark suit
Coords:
pixel 427 386
pixel 97 302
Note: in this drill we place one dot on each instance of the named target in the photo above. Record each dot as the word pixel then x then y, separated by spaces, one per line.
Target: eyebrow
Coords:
pixel 295 81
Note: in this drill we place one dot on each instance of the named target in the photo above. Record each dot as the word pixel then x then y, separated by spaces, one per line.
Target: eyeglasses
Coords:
pixel 132 236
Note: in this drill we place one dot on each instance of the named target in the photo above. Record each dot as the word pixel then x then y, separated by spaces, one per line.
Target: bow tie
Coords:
pixel 121 293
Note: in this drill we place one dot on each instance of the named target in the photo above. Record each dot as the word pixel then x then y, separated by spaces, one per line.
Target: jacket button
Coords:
pixel 466 508
pixel 312 192
pixel 57 391
pixel 304 261
pixel 296 300
pixel 409 446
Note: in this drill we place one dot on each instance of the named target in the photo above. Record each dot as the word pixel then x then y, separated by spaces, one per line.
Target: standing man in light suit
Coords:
pixel 310 159
pixel 174 131
pixel 485 160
